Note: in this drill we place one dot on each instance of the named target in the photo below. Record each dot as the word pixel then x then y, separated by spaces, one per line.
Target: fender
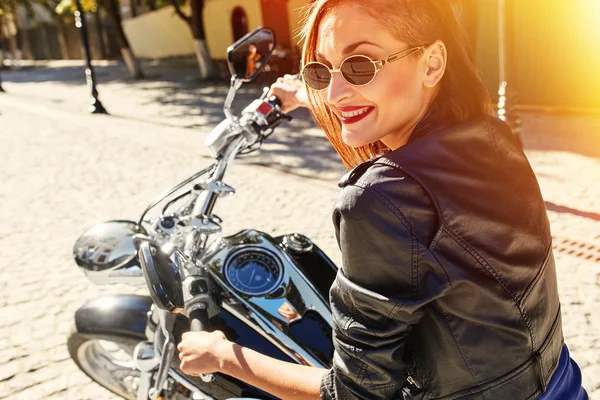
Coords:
pixel 121 315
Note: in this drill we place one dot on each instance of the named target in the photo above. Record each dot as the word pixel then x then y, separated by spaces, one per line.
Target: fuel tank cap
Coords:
pixel 297 243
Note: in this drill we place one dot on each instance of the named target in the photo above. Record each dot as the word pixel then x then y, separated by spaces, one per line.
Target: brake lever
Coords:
pixel 276 102
pixel 287 117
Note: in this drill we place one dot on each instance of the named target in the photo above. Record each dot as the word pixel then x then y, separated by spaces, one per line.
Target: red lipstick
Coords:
pixel 357 113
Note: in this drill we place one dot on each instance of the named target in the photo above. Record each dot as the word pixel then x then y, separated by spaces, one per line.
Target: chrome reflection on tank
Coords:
pixel 269 314
pixel 107 255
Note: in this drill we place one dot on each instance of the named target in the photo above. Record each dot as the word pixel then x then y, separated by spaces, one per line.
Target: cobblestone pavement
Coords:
pixel 64 170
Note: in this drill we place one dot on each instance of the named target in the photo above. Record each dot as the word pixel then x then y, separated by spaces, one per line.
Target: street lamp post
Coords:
pixel 1 63
pixel 507 95
pixel 1 55
pixel 96 106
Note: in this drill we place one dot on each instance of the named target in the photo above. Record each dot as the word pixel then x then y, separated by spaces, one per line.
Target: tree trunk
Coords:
pixel 133 7
pixel 133 64
pixel 205 63
pixel 100 34
pixel 14 51
pixel 13 43
pixel 196 24
pixel 62 40
pixel 26 45
pixel 1 42
pixel 45 49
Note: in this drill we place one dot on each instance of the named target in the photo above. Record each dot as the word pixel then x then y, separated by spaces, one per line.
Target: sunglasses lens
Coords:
pixel 358 70
pixel 316 76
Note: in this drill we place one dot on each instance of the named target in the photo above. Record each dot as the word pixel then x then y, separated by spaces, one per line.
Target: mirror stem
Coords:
pixel 236 83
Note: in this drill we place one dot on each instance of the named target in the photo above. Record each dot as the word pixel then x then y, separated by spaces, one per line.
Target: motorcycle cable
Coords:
pixel 171 202
pixel 163 196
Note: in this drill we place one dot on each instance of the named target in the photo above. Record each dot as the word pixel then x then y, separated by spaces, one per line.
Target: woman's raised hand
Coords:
pixel 291 91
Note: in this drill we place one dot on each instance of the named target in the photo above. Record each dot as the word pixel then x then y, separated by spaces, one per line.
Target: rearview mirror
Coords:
pixel 248 55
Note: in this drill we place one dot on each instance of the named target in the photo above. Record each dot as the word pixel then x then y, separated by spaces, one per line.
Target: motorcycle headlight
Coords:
pixel 106 253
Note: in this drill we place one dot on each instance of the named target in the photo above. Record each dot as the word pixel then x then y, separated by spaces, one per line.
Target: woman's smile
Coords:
pixel 352 114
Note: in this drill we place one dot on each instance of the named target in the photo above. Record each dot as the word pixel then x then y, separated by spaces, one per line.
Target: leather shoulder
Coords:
pixel 377 184
pixel 354 174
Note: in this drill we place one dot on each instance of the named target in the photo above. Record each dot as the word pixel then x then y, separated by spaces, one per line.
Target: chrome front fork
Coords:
pixel 146 359
pixel 156 363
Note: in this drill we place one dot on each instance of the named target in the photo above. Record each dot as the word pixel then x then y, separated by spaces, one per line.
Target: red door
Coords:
pixel 239 23
pixel 275 16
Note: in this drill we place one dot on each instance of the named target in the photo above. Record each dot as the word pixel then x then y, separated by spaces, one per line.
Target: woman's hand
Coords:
pixel 291 91
pixel 203 352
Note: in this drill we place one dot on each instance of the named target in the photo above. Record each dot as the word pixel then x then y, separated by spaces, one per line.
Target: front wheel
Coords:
pixel 108 361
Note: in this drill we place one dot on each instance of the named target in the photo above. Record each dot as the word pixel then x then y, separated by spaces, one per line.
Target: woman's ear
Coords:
pixel 435 64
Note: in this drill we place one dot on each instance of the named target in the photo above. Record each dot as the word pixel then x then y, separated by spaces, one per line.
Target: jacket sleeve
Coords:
pixel 378 295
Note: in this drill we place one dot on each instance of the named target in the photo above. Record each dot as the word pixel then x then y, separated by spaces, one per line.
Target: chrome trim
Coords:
pixel 144 357
pixel 167 322
pixel 258 326
pixel 202 224
pixel 235 84
pixel 297 243
pixel 190 386
pixel 219 188
pixel 145 385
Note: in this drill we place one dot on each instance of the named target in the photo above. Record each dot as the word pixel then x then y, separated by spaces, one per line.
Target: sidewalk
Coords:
pixel 166 116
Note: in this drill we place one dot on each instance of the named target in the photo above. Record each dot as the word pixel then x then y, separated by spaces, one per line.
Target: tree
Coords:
pixel 8 12
pixel 196 24
pixel 113 11
pixel 50 6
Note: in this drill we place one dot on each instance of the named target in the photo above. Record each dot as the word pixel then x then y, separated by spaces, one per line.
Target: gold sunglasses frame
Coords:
pixel 379 64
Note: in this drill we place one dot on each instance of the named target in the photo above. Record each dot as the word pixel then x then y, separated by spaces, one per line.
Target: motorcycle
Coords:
pixel 266 293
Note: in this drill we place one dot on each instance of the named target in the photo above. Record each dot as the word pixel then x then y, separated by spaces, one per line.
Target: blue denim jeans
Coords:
pixel 566 381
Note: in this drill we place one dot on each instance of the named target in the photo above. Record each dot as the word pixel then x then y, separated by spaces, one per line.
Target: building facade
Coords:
pixel 552 46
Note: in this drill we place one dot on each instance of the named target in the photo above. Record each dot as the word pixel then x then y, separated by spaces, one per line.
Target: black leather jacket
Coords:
pixel 448 286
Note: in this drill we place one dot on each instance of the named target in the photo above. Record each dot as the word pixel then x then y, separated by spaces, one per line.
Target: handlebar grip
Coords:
pixel 198 320
pixel 198 323
pixel 274 100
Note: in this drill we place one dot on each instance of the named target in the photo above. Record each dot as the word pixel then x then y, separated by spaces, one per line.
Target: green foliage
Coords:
pixel 68 6
pixel 163 3
pixel 156 4
pixel 3 7
pixel 54 6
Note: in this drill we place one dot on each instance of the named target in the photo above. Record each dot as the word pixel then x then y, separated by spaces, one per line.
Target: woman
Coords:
pixel 253 60
pixel 448 286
